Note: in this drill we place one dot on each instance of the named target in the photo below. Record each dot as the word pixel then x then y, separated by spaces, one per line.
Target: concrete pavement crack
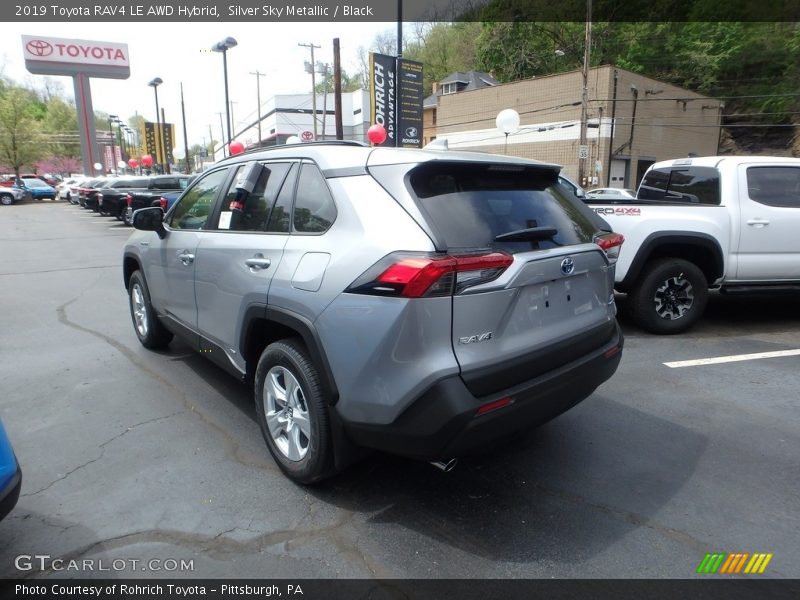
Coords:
pixel 102 452
pixel 233 446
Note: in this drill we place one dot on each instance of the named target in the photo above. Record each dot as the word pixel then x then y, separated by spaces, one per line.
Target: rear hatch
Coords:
pixel 546 298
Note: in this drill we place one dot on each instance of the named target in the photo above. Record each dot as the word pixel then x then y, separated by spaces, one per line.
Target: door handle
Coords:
pixel 258 262
pixel 758 223
pixel 186 258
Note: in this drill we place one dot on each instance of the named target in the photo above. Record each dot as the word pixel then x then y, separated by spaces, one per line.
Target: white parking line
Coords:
pixel 728 359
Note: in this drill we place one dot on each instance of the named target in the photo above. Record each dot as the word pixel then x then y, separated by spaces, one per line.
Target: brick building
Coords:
pixel 651 121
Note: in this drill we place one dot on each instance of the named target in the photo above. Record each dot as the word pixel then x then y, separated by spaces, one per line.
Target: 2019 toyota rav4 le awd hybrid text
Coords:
pixel 417 302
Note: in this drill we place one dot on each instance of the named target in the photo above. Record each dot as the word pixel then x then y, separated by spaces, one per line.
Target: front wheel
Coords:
pixel 150 331
pixel 6 200
pixel 293 413
pixel 670 297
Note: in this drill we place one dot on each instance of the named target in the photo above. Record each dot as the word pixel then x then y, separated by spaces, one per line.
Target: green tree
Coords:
pixel 20 137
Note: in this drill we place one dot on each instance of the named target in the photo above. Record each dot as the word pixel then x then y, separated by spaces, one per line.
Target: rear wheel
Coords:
pixel 292 410
pixel 670 298
pixel 150 331
pixel 6 199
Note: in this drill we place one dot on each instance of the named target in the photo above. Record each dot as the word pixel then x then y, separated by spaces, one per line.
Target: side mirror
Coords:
pixel 150 219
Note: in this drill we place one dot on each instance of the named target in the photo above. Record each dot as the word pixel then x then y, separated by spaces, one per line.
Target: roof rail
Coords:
pixel 304 144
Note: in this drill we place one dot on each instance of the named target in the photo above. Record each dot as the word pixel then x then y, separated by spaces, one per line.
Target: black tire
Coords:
pixel 312 459
pixel 670 297
pixel 6 199
pixel 151 332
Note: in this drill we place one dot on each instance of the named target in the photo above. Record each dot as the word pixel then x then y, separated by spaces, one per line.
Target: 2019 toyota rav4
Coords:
pixel 423 303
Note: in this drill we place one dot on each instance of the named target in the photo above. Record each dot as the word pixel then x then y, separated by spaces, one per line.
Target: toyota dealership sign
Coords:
pixel 59 56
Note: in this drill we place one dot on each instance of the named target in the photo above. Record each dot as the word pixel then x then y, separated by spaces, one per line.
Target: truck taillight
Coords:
pixel 429 275
pixel 128 199
pixel 163 203
pixel 611 243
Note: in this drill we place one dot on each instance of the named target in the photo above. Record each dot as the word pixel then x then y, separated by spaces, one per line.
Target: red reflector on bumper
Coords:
pixel 489 407
pixel 612 352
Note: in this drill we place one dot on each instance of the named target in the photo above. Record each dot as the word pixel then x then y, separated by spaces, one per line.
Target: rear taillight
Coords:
pixel 163 203
pixel 428 275
pixel 100 198
pixel 128 199
pixel 611 243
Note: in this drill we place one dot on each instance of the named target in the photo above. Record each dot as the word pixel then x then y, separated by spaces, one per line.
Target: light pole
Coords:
pixel 154 83
pixel 120 139
pixel 310 69
pixel 111 119
pixel 223 47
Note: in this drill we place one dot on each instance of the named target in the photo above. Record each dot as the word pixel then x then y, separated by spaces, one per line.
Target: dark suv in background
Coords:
pixel 423 303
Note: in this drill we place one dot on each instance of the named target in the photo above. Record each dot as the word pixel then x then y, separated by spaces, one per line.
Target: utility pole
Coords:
pixel 310 69
pixel 582 152
pixel 258 75
pixel 337 89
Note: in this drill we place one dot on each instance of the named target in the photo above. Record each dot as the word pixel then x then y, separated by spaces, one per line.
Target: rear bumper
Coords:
pixel 10 495
pixel 443 422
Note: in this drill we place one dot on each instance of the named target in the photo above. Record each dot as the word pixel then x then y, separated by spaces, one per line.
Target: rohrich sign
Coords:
pixel 79 59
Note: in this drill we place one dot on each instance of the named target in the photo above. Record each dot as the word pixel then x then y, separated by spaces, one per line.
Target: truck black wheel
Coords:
pixel 670 297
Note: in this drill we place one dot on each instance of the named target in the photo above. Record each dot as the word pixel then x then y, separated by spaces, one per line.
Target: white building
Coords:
pixel 286 115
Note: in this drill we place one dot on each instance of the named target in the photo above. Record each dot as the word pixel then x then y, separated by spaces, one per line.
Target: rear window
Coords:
pixel 473 203
pixel 693 185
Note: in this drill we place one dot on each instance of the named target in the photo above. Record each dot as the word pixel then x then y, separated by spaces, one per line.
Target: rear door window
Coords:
pixel 774 186
pixel 314 210
pixel 249 211
pixel 473 203
pixel 693 185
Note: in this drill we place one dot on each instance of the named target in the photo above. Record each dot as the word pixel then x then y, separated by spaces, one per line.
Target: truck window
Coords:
pixel 693 185
pixel 774 186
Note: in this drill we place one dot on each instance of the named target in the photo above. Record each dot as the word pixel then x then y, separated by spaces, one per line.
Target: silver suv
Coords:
pixel 423 303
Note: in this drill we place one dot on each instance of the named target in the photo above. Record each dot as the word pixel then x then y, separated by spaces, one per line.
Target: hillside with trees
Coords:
pixel 753 68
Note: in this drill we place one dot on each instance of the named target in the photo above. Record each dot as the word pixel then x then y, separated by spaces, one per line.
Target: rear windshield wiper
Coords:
pixel 528 235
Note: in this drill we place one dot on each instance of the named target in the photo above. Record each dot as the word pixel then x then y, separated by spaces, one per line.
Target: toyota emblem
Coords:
pixel 567 266
pixel 39 48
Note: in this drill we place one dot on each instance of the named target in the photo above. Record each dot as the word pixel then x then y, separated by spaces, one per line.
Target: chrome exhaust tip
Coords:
pixel 445 466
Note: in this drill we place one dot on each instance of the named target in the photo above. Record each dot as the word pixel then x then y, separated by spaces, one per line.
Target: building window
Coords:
pixel 449 88
pixel 433 114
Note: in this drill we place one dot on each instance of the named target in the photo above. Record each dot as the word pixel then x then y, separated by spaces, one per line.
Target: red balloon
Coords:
pixel 133 163
pixel 236 147
pixel 147 161
pixel 376 134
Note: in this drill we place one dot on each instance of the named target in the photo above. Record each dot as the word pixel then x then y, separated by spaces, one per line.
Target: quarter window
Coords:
pixel 774 186
pixel 194 206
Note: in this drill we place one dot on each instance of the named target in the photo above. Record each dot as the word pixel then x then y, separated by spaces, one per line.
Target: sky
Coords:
pixel 179 52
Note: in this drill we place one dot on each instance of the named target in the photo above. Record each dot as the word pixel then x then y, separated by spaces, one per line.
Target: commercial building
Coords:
pixel 286 115
pixel 633 121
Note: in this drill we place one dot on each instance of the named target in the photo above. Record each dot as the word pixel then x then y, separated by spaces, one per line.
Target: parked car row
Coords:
pixel 118 197
pixel 27 187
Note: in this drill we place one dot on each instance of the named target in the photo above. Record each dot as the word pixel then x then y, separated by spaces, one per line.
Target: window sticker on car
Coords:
pixel 225 219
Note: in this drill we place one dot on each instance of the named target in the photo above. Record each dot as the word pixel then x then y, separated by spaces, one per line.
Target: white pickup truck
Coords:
pixel 725 222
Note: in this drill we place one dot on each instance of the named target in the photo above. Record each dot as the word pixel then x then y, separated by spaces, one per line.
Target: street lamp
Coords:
pixel 112 118
pixel 154 83
pixel 223 47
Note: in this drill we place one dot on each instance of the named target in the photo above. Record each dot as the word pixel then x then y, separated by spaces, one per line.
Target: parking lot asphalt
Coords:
pixel 137 455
